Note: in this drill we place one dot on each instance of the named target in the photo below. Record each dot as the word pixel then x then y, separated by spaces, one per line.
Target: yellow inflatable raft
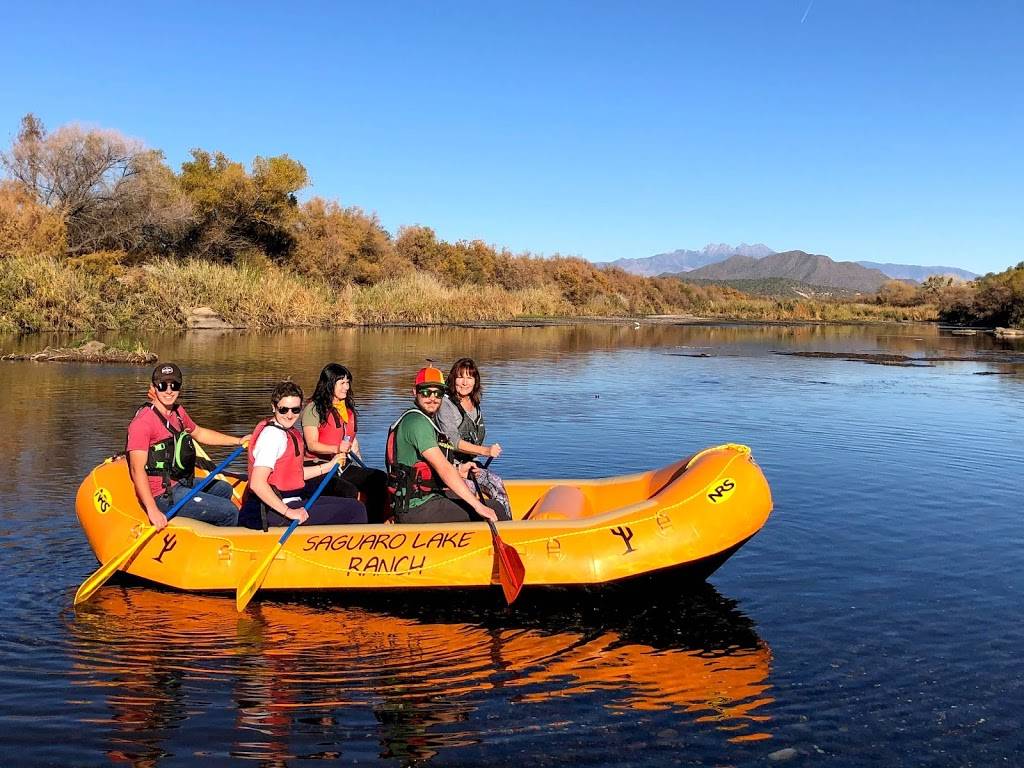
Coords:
pixel 687 517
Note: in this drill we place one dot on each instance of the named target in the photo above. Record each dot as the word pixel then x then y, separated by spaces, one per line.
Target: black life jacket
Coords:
pixel 173 458
pixel 406 483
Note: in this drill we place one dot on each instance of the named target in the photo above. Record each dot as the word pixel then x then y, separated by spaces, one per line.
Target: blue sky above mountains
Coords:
pixel 877 131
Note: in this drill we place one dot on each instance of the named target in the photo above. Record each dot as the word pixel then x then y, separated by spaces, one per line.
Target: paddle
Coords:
pixel 511 570
pixel 251 584
pixel 108 569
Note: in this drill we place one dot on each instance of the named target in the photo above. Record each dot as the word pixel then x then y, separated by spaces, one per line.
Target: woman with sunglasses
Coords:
pixel 462 421
pixel 279 481
pixel 162 456
pixel 330 426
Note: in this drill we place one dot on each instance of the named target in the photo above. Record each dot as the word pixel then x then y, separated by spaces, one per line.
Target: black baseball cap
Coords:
pixel 166 372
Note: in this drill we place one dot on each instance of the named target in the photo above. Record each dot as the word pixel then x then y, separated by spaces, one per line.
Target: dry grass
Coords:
pixel 820 311
pixel 421 298
pixel 41 293
pixel 47 294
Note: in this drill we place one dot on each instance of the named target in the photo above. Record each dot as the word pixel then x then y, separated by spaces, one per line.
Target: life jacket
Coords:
pixel 471 429
pixel 286 476
pixel 174 457
pixel 335 430
pixel 406 483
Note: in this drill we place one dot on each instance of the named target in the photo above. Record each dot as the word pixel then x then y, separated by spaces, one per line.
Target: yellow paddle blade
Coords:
pixel 249 587
pixel 112 566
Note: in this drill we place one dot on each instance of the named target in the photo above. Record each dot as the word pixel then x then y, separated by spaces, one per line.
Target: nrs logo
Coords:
pixel 101 501
pixel 721 490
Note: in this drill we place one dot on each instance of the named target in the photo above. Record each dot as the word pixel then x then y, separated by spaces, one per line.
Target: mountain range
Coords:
pixel 806 268
pixel 714 253
pixel 685 260
pixel 918 274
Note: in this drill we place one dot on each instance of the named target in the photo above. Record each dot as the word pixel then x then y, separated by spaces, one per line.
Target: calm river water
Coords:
pixel 879 616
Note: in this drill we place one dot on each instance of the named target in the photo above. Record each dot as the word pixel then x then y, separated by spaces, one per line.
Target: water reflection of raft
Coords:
pixel 163 662
pixel 687 518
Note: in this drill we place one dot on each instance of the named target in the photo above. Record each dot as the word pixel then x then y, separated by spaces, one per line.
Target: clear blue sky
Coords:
pixel 880 130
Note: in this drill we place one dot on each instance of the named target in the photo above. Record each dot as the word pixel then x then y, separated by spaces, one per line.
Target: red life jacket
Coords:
pixel 335 430
pixel 404 482
pixel 286 476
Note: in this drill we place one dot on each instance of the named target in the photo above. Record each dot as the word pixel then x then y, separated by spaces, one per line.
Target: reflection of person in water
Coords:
pixel 143 687
pixel 412 719
pixel 406 725
pixel 149 705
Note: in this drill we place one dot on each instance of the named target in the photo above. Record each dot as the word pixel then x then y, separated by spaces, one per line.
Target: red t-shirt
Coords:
pixel 148 428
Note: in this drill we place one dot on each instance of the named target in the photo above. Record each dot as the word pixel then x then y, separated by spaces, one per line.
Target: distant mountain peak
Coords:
pixel 808 268
pixel 684 260
pixel 920 274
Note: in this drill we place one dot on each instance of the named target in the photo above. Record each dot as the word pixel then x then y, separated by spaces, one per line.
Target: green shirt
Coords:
pixel 415 434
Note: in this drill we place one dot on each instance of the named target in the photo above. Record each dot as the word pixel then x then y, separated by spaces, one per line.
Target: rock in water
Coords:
pixel 205 319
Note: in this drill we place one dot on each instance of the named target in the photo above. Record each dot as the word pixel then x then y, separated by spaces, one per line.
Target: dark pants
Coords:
pixel 372 483
pixel 326 510
pixel 212 505
pixel 442 509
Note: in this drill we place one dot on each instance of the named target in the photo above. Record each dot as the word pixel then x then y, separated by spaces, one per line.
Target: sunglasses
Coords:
pixel 163 386
pixel 284 409
pixel 431 392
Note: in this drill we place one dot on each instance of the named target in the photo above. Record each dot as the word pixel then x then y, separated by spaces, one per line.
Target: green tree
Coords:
pixel 237 211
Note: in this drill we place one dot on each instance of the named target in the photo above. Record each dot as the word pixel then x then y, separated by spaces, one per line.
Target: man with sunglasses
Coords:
pixel 162 456
pixel 419 472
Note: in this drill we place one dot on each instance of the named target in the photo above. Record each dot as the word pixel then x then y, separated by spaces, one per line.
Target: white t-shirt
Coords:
pixel 270 446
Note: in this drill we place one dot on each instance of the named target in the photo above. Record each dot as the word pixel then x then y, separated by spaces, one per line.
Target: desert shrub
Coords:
pixel 27 227
pixel 897 293
pixel 344 245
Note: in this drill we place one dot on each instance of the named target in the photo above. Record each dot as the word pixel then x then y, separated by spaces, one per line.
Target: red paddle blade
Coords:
pixel 511 571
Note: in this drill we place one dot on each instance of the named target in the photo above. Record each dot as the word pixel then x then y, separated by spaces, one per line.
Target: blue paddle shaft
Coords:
pixel 204 482
pixel 288 532
pixel 309 503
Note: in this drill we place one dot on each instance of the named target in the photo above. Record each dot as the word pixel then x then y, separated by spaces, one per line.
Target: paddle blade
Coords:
pixel 251 585
pixel 112 566
pixel 511 570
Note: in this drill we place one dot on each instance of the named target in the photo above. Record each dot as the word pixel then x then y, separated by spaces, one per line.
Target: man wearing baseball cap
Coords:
pixel 420 473
pixel 162 456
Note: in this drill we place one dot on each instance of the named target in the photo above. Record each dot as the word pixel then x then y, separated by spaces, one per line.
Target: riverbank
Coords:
pixel 47 294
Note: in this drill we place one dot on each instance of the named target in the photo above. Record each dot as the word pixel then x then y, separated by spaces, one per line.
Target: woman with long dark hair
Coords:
pixel 330 427
pixel 461 420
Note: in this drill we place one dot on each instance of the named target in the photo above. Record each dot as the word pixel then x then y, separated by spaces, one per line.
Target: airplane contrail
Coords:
pixel 809 5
